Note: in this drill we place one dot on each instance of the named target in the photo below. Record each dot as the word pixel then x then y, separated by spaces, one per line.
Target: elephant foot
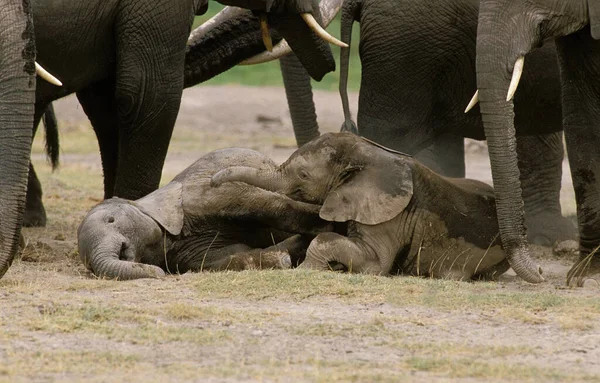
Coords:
pixel 585 273
pixel 260 260
pixel 35 216
pixel 545 229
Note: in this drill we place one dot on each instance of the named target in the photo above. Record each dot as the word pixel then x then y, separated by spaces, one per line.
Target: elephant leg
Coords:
pixel 445 156
pixel 298 91
pixel 540 164
pixel 35 213
pixel 98 103
pixel 328 250
pixel 278 256
pixel 240 257
pixel 580 74
pixel 148 91
pixel 270 209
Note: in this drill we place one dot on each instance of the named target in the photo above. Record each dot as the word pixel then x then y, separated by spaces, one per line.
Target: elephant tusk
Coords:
pixel 516 77
pixel 322 33
pixel 474 101
pixel 43 73
pixel 281 49
pixel 226 14
pixel 264 29
pixel 328 8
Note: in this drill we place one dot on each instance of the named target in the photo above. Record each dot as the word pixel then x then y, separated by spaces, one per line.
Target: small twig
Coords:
pixel 206 252
pixel 484 254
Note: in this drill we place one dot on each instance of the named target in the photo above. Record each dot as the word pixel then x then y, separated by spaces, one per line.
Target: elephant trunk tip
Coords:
pixel 524 267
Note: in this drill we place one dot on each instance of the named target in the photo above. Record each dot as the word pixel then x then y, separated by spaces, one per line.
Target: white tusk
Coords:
pixel 329 9
pixel 281 49
pixel 43 73
pixel 226 14
pixel 516 77
pixel 473 101
pixel 322 33
pixel 264 30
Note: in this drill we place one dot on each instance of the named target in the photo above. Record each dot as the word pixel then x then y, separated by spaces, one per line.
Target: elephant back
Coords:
pixel 207 165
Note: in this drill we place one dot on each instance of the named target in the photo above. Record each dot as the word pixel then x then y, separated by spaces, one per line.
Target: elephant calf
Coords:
pixel 401 216
pixel 188 225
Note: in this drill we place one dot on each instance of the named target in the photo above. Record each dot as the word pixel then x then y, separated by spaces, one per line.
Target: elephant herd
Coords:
pixel 342 201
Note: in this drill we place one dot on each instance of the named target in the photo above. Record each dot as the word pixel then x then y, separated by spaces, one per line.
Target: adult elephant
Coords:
pixel 17 95
pixel 508 31
pixel 127 68
pixel 413 93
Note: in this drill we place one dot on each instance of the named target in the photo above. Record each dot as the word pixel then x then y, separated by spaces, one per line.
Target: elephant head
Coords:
pixel 17 98
pixel 507 31
pixel 125 239
pixel 353 179
pixel 234 35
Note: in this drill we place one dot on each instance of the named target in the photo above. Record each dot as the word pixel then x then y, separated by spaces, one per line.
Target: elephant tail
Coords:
pixel 51 130
pixel 350 10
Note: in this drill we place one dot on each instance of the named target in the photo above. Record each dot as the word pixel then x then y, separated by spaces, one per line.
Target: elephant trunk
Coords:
pixel 298 91
pixel 17 98
pixel 103 255
pixel 232 36
pixel 271 180
pixel 493 80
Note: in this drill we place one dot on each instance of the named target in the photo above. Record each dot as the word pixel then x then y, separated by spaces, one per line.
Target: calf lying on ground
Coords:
pixel 401 217
pixel 188 225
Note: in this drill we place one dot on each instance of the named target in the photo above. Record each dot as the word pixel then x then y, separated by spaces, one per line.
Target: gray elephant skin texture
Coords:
pixel 508 31
pixel 401 217
pixel 130 63
pixel 414 91
pixel 189 225
pixel 17 90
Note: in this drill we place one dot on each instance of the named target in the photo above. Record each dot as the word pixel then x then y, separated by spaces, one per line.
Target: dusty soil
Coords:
pixel 56 316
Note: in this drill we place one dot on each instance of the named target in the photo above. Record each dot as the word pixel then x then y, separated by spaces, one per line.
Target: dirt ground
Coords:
pixel 60 323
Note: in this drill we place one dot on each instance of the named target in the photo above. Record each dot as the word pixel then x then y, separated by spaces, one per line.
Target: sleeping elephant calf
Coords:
pixel 188 225
pixel 401 216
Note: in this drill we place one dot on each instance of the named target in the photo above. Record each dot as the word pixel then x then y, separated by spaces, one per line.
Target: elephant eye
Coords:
pixel 303 175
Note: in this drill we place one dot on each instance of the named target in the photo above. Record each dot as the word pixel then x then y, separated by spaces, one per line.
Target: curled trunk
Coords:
pixel 103 259
pixel 17 97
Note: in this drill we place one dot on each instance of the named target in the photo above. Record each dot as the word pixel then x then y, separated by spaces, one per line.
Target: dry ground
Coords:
pixel 60 323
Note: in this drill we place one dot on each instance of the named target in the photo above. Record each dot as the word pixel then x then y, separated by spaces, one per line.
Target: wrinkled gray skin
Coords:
pixel 188 225
pixel 413 93
pixel 17 95
pixel 509 29
pixel 401 217
pixel 129 64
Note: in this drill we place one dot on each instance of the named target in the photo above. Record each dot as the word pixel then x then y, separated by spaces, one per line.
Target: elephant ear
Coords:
pixel 594 12
pixel 165 206
pixel 376 190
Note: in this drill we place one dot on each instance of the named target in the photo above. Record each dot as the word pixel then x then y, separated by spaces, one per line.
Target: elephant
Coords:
pixel 130 63
pixel 401 217
pixel 17 97
pixel 507 32
pixel 187 225
pixel 413 93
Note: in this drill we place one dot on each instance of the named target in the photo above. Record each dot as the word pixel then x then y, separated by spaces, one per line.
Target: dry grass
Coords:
pixel 60 323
